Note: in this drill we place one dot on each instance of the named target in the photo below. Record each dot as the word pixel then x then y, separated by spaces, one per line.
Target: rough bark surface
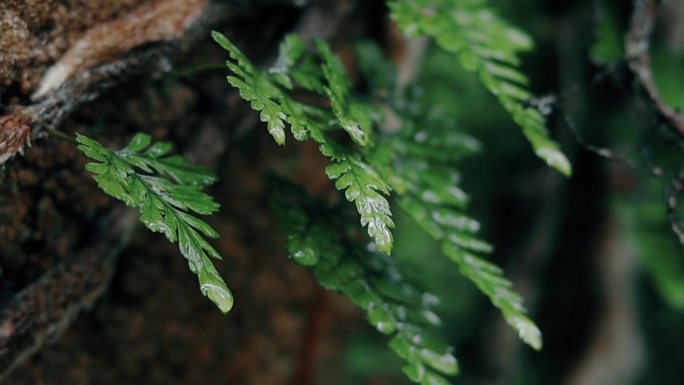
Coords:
pixel 35 33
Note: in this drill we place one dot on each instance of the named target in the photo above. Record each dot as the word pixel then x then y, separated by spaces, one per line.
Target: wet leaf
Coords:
pixel 322 73
pixel 370 279
pixel 166 205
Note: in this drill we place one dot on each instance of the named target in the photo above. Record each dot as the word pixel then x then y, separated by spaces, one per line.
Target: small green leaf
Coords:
pixel 445 362
pixel 363 186
pixel 337 90
pixel 139 141
pixel 323 74
pixel 382 320
pixel 212 285
pixel 165 205
pixel 292 49
pixel 371 280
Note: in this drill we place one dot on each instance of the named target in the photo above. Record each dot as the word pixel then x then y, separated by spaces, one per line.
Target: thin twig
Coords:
pixel 602 152
pixel 637 48
pixel 192 71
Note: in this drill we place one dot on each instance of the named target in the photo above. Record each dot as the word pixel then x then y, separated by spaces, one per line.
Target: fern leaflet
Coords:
pixel 415 163
pixel 353 117
pixel 322 73
pixel 418 161
pixel 166 202
pixel 427 191
pixel 316 237
pixel 430 196
pixel 487 45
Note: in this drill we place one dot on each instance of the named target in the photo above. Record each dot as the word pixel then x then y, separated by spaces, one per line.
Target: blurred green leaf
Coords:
pixel 371 280
pixel 487 45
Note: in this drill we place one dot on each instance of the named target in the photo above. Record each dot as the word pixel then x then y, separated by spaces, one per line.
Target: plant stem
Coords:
pixel 60 135
pixel 187 72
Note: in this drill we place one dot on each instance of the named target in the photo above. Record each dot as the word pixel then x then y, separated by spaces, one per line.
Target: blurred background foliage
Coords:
pixel 553 235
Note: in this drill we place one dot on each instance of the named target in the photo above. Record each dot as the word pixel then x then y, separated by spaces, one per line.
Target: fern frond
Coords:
pixel 154 159
pixel 489 46
pixel 371 280
pixel 418 161
pixel 353 117
pixel 429 193
pixel 257 88
pixel 166 205
pixel 364 187
pixel 291 50
pixel 322 73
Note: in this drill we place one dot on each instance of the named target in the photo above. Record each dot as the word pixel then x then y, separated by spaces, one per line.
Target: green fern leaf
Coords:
pixel 350 116
pixel 380 73
pixel 256 88
pixel 364 187
pixel 487 45
pixel 291 51
pixel 415 162
pixel 371 280
pixel 322 73
pixel 428 192
pixel 418 161
pixel 166 205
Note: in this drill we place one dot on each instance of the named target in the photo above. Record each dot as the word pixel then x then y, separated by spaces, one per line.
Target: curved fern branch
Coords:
pixel 166 205
pixel 490 47
pixel 418 161
pixel 427 191
pixel 322 73
pixel 415 163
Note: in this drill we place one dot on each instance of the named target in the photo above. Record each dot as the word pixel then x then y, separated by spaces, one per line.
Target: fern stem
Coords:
pixel 191 71
pixel 61 135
